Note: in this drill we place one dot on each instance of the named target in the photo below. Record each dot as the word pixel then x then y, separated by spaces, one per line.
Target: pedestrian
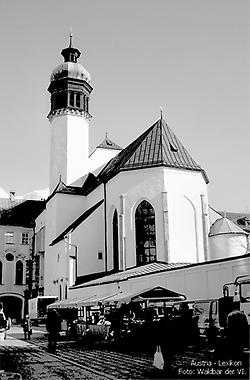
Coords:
pixel 27 327
pixel 165 337
pixel 53 326
pixel 237 333
pixel 3 322
pixel 8 326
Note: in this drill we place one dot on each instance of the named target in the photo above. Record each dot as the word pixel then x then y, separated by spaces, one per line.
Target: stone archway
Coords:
pixel 13 306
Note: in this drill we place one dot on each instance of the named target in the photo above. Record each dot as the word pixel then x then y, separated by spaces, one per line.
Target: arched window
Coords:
pixel 115 242
pixel 19 272
pixel 145 233
pixel 1 272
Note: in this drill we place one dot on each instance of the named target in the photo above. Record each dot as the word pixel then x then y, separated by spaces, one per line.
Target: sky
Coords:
pixel 188 57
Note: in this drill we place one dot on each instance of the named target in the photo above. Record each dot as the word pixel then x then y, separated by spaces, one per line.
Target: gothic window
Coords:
pixel 19 272
pixel 115 242
pixel 1 272
pixel 145 233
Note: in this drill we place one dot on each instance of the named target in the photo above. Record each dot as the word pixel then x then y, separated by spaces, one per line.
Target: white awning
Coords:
pixel 149 294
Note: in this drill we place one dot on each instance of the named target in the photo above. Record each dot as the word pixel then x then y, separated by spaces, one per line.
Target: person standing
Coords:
pixel 53 326
pixel 3 322
pixel 237 333
pixel 27 327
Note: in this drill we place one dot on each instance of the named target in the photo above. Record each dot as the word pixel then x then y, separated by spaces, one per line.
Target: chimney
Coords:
pixel 12 195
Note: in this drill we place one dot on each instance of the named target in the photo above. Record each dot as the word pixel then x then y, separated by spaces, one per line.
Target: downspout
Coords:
pixel 122 233
pixel 165 225
pixel 205 227
pixel 105 228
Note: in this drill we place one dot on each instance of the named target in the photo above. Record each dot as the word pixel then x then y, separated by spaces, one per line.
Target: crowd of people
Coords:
pixel 173 331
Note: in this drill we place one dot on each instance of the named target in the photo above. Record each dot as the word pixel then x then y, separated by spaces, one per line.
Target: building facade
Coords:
pixel 17 222
pixel 132 212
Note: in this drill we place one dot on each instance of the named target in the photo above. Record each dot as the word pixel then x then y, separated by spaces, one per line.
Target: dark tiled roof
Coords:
pixel 134 272
pixel 64 189
pixel 108 144
pixel 157 146
pixel 76 223
pixel 22 214
pixel 7 203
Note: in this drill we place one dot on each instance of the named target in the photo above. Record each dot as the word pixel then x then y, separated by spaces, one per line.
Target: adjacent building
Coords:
pixel 17 223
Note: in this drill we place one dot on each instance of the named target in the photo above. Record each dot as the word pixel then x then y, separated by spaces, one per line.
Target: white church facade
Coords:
pixel 142 209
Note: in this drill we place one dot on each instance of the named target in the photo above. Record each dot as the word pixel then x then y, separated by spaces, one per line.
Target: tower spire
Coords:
pixel 70 54
pixel 70 38
pixel 161 112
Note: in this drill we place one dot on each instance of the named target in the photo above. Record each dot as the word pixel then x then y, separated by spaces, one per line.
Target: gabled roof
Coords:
pixel 76 223
pixel 224 226
pixel 64 189
pixel 157 146
pixel 22 214
pixel 108 144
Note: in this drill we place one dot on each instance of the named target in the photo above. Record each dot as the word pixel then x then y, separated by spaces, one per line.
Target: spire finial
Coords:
pixel 106 135
pixel 161 111
pixel 70 37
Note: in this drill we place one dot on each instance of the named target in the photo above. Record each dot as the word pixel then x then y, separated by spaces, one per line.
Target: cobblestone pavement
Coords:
pixel 100 362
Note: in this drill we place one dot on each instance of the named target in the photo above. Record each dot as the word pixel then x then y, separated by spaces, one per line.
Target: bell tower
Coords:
pixel 69 117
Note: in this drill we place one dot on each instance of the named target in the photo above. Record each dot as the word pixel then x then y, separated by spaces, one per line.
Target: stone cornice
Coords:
pixel 68 111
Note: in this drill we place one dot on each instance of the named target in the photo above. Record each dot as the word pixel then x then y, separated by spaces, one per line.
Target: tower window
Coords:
pixel 72 99
pixel 87 104
pixel 78 100
pixel 145 233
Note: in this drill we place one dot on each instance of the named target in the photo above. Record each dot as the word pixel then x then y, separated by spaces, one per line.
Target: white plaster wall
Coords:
pixel 61 211
pixel 89 239
pixel 184 189
pixel 227 245
pixel 135 186
pixel 69 149
pixel 196 283
pixel 101 156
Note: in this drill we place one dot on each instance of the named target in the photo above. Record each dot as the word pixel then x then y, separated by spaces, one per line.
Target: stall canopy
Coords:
pixel 150 294
pixel 140 295
pixel 69 303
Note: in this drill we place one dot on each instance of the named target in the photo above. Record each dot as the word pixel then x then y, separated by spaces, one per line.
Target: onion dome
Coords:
pixel 70 68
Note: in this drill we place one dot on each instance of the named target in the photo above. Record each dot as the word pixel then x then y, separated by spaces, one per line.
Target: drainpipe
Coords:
pixel 105 228
pixel 165 225
pixel 122 233
pixel 204 226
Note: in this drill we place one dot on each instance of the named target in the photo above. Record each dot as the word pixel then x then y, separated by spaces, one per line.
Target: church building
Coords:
pixel 135 212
